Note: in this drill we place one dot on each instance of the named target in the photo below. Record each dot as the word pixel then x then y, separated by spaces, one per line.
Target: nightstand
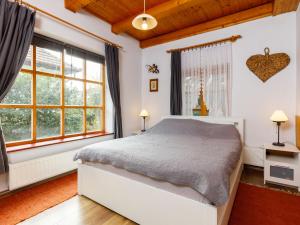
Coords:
pixel 282 165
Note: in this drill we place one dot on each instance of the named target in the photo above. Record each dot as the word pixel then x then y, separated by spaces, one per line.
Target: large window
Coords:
pixel 56 95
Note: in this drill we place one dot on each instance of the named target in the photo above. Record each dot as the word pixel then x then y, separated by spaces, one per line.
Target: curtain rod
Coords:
pixel 68 23
pixel 231 39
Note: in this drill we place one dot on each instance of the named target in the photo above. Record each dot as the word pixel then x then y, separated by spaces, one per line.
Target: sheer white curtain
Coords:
pixel 213 65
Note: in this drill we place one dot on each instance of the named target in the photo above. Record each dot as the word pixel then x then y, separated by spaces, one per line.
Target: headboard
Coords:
pixel 237 122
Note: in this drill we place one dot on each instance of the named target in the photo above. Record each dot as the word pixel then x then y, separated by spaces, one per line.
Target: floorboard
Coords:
pixel 78 210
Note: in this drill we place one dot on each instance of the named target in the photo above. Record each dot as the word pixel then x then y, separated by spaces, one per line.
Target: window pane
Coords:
pixel 73 121
pixel 48 60
pixel 74 66
pixel 73 92
pixel 93 119
pixel 16 124
pixel 20 93
pixel 93 94
pixel 93 71
pixel 28 61
pixel 48 122
pixel 48 90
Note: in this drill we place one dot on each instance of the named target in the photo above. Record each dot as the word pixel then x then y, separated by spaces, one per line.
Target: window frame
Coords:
pixel 34 107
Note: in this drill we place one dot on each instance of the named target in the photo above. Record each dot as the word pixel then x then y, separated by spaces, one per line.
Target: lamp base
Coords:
pixel 143 130
pixel 278 144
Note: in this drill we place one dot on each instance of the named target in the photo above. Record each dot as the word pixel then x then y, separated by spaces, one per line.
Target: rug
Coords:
pixel 261 206
pixel 27 203
pixel 253 205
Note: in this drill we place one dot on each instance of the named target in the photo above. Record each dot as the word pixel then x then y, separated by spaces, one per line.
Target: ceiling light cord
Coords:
pixel 144 6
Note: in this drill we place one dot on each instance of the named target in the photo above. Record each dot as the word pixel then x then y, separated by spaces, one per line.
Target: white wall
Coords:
pixel 252 99
pixel 298 60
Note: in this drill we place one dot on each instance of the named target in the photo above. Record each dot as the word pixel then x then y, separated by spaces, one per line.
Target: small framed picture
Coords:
pixel 153 85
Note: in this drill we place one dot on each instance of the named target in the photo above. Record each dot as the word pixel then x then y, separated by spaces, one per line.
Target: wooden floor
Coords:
pixel 78 210
pixel 82 211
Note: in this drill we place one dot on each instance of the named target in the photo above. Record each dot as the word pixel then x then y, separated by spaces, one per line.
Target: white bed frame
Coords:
pixel 148 205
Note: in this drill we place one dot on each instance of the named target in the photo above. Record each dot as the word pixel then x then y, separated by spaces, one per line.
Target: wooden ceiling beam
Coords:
pixel 233 19
pixel 76 5
pixel 158 12
pixel 284 6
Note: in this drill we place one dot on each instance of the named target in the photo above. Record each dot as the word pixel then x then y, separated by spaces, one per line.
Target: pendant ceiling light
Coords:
pixel 144 21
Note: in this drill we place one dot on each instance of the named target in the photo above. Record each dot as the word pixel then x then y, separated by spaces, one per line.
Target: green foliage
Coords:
pixel 93 119
pixel 73 121
pixel 48 90
pixel 48 122
pixel 20 92
pixel 73 92
pixel 94 94
pixel 17 123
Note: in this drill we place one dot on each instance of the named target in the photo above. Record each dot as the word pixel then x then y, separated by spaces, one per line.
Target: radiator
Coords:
pixel 32 171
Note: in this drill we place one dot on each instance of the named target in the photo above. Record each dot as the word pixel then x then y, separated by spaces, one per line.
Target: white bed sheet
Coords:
pixel 179 190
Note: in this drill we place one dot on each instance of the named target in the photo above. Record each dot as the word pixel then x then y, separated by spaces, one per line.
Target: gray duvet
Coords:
pixel 182 152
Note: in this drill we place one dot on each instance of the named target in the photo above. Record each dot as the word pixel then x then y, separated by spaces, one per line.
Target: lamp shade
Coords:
pixel 144 22
pixel 279 116
pixel 144 113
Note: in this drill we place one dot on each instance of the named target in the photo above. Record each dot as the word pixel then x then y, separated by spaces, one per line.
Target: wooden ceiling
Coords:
pixel 179 18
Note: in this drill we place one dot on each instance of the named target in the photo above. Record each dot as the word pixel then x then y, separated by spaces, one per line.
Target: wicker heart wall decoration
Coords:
pixel 266 66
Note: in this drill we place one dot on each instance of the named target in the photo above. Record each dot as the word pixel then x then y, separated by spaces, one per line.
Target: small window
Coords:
pixel 74 92
pixel 94 94
pixel 93 119
pixel 74 121
pixel 48 61
pixel 74 66
pixel 16 123
pixel 93 71
pixel 20 93
pixel 48 90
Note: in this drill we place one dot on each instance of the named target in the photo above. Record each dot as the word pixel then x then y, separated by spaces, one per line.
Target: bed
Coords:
pixel 134 188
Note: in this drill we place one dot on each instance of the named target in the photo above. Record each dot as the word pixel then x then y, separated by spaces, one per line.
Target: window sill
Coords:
pixel 53 142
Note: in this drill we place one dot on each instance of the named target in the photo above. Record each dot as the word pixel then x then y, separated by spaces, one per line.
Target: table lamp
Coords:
pixel 144 114
pixel 278 117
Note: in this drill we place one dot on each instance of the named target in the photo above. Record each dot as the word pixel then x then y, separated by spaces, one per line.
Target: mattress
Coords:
pixel 179 190
pixel 187 152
